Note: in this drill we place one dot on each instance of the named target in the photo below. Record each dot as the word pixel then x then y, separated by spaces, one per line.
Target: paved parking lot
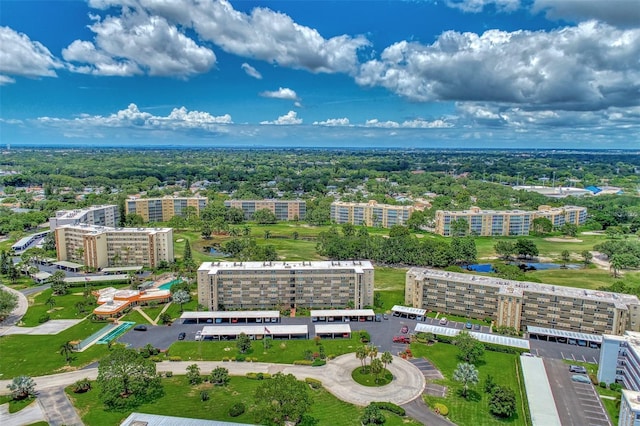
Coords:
pixel 578 404
pixel 564 351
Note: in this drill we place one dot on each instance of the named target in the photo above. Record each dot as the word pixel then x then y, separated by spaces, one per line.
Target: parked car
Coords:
pixel 444 321
pixel 419 318
pixel 198 334
pixel 404 329
pixel 476 327
pixel 468 325
pixel 562 340
pixel 527 354
pixel 581 379
pixel 582 343
pixel 140 327
pixel 378 317
pixel 573 342
pixel 412 316
pixel 385 316
pixel 396 314
pixel 182 335
pixel 400 339
pixel 577 369
pixel 593 345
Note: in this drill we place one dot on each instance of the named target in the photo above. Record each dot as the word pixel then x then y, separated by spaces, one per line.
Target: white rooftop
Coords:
pixel 138 419
pixel 495 339
pixel 542 406
pixel 95 229
pixel 79 213
pixel 97 278
pixel 357 265
pixel 342 313
pixel 67 264
pixel 230 314
pixel 564 333
pixel 332 328
pixel 255 330
pixel 122 268
pixel 408 310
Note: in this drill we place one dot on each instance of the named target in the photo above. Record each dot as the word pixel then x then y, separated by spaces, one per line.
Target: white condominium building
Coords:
pixel 163 209
pixel 370 214
pixel 269 285
pixel 107 215
pixel 98 247
pixel 507 222
pixel 518 304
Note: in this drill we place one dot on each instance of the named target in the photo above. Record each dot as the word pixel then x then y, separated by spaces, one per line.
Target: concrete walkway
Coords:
pixel 408 383
pixel 59 410
pixel 32 413
pixel 144 315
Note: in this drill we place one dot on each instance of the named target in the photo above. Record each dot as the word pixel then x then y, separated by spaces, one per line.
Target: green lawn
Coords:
pixel 15 406
pixel 474 410
pixel 135 316
pixel 182 400
pixel 547 248
pixel 582 278
pixel 64 307
pixel 281 351
pixel 366 378
pixel 40 355
pixel 153 311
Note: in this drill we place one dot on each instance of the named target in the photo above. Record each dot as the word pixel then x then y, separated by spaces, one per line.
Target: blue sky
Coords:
pixel 430 73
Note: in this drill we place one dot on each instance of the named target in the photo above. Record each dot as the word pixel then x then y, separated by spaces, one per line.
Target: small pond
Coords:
pixel 525 266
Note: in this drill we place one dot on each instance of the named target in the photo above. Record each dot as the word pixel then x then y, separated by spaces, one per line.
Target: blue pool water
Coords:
pixel 168 285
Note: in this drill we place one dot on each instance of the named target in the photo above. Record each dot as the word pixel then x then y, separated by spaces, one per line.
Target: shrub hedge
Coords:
pixel 314 383
pixel 389 406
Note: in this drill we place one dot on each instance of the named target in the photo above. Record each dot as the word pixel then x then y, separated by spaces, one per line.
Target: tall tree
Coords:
pixel 502 402
pixel 541 226
pixel 127 379
pixel 280 400
pixel 565 255
pixel 193 374
pixel 467 374
pixel 586 257
pixel 8 302
pixel 505 249
pixel 526 248
pixel 66 349
pixel 187 256
pixel 58 285
pixel 243 343
pixel 361 354
pixel 471 350
pixel 219 376
pixel 386 358
pixel 181 297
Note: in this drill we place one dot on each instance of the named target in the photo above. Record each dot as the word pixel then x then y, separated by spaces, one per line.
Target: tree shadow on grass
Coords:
pixel 472 395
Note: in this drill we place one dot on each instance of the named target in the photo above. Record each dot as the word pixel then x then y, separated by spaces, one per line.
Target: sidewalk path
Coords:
pixel 17 314
pixel 32 413
pixel 59 410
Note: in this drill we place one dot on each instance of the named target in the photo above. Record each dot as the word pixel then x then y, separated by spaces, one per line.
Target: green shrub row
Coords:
pixel 314 383
pixel 302 362
pixel 175 358
pixel 258 376
pixel 318 362
pixel 390 406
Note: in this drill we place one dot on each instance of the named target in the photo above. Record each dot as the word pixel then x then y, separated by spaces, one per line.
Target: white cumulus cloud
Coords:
pixel 251 71
pixel 614 12
pixel 477 6
pixel 281 93
pixel 590 66
pixel 289 118
pixel 20 56
pixel 374 122
pixel 262 34
pixel 333 122
pixel 136 43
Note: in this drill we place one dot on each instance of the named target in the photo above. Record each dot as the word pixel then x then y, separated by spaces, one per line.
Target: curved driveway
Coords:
pixel 407 385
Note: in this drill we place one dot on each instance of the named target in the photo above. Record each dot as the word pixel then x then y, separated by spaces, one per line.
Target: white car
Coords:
pixel 198 335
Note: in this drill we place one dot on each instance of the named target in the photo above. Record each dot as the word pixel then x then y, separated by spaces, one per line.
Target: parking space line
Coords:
pixel 573 356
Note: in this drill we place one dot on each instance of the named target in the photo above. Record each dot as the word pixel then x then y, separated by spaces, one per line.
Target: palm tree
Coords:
pixel 66 349
pixel 466 374
pixel 181 297
pixel 376 368
pixel 372 351
pixel 386 358
pixel 361 354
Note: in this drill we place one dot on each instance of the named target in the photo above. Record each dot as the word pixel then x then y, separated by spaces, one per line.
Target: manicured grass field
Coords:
pixel 64 307
pixel 15 406
pixel 40 355
pixel 474 410
pixel 281 351
pixel 551 249
pixel 366 378
pixel 581 278
pixel 135 316
pixel 183 400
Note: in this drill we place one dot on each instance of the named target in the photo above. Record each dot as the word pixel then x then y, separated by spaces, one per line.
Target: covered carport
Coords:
pixel 330 315
pixel 495 339
pixel 231 317
pixel 408 312
pixel 68 266
pixel 333 330
pixel 122 270
pixel 222 332
pixel 564 336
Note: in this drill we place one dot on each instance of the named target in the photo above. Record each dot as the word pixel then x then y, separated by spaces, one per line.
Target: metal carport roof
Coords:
pixel 564 333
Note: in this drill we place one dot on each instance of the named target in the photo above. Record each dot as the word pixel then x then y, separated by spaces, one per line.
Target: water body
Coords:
pixel 525 266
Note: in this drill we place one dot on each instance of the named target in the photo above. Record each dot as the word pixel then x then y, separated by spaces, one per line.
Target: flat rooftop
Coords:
pixel 335 328
pixel 255 330
pixel 495 339
pixel 342 313
pixel 518 287
pixel 408 310
pixel 564 333
pixel 97 278
pixel 357 265
pixel 79 213
pixel 96 229
pixel 542 406
pixel 230 314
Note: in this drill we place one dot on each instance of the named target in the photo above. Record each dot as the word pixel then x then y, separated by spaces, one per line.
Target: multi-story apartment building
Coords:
pixel 107 215
pixel 283 209
pixel 269 285
pixel 370 214
pixel 507 222
pixel 620 360
pixel 629 408
pixel 518 304
pixel 163 209
pixel 98 247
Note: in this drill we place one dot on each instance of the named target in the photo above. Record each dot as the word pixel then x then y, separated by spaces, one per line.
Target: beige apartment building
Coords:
pixel 269 285
pixel 370 214
pixel 518 304
pixel 283 209
pixel 507 222
pixel 163 209
pixel 107 215
pixel 99 247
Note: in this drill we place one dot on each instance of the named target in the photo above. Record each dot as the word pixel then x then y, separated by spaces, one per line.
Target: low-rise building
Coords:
pixel 107 215
pixel 518 304
pixel 507 222
pixel 163 209
pixel 283 209
pixel 370 213
pixel 268 285
pixel 98 247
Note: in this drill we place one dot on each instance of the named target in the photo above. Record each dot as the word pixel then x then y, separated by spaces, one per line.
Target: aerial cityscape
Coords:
pixel 227 213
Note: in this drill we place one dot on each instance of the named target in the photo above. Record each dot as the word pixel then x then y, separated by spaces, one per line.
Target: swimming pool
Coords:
pixel 167 286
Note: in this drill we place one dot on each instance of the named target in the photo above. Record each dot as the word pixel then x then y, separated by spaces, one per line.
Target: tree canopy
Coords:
pixel 281 399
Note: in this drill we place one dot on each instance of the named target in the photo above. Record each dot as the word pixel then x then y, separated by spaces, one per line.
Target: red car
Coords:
pixel 400 339
pixel 404 329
